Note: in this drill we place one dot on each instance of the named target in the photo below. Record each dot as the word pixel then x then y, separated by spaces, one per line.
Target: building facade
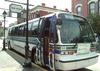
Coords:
pixel 86 7
pixel 40 10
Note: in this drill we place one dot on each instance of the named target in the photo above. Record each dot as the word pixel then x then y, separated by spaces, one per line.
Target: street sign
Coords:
pixel 15 8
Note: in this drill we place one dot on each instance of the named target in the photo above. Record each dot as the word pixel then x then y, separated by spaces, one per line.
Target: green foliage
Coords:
pixel 95 22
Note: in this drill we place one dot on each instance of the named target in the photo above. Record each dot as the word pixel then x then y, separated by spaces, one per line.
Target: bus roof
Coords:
pixel 55 13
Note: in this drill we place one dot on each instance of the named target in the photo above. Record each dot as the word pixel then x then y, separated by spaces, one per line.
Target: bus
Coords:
pixel 60 41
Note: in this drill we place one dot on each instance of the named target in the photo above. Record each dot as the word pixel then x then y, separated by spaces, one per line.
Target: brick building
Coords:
pixel 38 11
pixel 86 7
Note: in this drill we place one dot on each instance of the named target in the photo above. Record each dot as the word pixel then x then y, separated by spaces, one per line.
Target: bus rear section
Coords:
pixel 75 47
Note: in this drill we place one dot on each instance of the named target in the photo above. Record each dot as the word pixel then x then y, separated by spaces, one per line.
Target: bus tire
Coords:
pixel 9 46
pixel 33 56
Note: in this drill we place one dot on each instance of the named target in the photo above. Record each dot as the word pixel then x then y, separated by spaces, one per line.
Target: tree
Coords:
pixel 95 23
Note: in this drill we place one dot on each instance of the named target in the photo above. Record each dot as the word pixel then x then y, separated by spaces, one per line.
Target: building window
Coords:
pixel 92 8
pixel 99 7
pixel 79 10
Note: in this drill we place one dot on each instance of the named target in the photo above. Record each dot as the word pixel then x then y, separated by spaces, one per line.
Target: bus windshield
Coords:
pixel 75 29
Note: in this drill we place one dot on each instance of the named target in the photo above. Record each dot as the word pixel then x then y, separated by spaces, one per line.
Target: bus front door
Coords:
pixel 46 50
pixel 44 40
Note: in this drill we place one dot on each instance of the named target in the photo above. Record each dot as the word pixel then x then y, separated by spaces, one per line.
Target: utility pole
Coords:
pixel 27 62
pixel 4 15
pixel 18 2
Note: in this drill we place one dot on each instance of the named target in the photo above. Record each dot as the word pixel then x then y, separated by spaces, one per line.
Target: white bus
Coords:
pixel 60 41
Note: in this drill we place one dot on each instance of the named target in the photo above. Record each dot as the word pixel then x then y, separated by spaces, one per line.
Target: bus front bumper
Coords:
pixel 76 64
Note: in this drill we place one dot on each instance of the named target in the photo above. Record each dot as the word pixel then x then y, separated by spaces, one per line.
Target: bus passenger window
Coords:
pixel 29 29
pixel 35 32
pixel 53 32
pixel 34 28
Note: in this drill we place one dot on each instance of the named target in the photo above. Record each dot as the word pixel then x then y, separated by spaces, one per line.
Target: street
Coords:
pixel 11 61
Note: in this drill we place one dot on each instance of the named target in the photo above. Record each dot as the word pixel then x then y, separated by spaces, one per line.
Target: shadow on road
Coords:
pixel 16 56
pixel 83 69
pixel 20 59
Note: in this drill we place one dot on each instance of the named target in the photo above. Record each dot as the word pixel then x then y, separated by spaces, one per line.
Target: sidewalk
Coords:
pixel 14 63
pixel 7 63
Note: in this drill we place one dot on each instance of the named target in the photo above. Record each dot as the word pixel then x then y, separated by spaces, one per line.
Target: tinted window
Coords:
pixel 75 29
pixel 35 28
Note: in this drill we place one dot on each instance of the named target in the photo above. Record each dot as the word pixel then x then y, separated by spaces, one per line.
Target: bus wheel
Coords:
pixel 33 56
pixel 9 46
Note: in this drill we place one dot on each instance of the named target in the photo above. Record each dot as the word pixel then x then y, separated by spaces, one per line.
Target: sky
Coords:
pixel 60 4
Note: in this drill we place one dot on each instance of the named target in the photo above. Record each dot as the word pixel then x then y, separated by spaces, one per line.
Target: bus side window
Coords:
pixel 16 31
pixel 34 30
pixel 53 32
pixel 24 31
pixel 19 30
pixel 12 31
pixel 9 32
pixel 29 29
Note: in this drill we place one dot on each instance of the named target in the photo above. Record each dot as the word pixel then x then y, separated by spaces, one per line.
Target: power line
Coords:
pixel 19 2
pixel 12 17
pixel 4 9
